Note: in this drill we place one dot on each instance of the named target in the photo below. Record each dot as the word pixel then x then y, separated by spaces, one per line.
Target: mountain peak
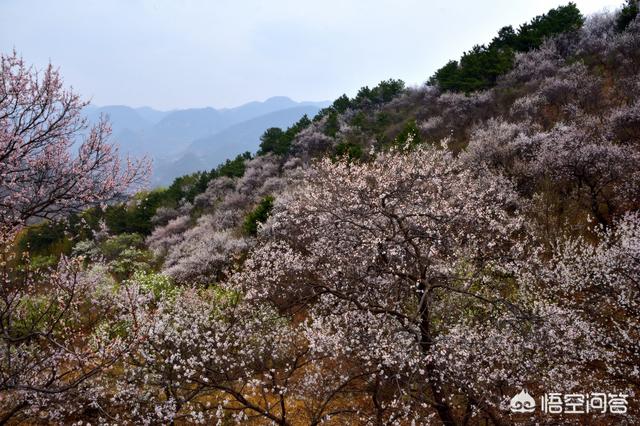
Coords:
pixel 279 99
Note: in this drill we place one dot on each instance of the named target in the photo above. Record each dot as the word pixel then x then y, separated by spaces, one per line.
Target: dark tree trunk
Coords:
pixel 435 384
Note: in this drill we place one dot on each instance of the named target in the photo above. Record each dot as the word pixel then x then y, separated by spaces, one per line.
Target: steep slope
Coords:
pixel 562 125
pixel 409 255
pixel 554 144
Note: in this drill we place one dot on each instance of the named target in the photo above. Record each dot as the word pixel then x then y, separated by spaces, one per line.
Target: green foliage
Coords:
pixel 224 297
pixel 364 94
pixel 303 123
pixel 45 242
pixel 359 119
pixel 43 262
pixel 341 104
pixel 87 249
pixel 273 140
pixel 133 217
pixel 113 329
pixel 323 113
pixel 113 247
pixel 349 150
pixel 231 168
pixel 559 20
pixel 384 92
pixel 129 261
pixel 160 285
pixel 506 38
pixel 123 254
pixel 479 68
pixel 446 77
pixel 45 239
pixel 332 126
pixel 184 187
pixel 188 186
pixel 38 237
pixel 627 15
pixel 84 224
pixel 33 314
pixel 277 141
pixel 409 137
pixel 258 215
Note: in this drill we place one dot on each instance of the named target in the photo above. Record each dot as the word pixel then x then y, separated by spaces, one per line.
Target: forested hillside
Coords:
pixel 411 255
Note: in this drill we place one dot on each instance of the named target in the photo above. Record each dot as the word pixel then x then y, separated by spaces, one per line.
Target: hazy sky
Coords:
pixel 192 53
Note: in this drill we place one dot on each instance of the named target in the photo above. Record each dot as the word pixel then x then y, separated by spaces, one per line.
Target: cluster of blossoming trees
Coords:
pixel 423 284
pixel 54 325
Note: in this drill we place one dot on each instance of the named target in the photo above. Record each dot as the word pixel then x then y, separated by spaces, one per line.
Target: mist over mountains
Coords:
pixel 187 140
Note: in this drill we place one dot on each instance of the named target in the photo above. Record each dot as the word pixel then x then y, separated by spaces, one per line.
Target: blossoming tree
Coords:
pixel 48 347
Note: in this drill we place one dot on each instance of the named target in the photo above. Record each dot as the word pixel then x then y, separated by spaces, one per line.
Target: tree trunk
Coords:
pixel 435 384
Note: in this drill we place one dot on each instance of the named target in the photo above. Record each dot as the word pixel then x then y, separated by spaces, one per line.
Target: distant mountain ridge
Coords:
pixel 186 140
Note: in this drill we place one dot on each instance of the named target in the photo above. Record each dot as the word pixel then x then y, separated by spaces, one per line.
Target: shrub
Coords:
pixel 258 215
